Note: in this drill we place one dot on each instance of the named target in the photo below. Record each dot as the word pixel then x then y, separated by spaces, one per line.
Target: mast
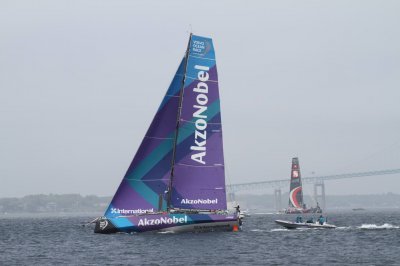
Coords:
pixel 177 126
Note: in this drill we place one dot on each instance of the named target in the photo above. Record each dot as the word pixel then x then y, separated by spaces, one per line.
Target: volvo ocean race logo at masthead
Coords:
pixel 200 134
pixel 163 220
pixel 201 47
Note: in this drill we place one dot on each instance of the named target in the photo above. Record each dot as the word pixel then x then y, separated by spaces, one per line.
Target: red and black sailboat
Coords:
pixel 296 202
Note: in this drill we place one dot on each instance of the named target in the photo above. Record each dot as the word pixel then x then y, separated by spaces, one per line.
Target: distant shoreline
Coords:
pixel 88 216
pixel 78 205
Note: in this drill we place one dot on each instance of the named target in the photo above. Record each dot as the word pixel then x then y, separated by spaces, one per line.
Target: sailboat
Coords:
pixel 296 202
pixel 176 180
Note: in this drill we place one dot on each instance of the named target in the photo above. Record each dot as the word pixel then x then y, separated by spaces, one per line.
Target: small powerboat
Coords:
pixel 295 225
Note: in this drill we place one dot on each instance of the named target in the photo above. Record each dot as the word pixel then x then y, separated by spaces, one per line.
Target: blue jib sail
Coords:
pixel 143 188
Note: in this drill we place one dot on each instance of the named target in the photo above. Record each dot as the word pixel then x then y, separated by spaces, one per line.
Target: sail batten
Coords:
pixel 150 137
pixel 215 165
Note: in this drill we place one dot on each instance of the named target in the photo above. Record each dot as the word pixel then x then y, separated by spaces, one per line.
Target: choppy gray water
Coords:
pixel 368 238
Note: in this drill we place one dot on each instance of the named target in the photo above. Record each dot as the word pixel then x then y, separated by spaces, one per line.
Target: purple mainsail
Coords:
pixel 198 180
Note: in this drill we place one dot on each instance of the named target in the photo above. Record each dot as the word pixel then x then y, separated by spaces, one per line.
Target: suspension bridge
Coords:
pixel 318 181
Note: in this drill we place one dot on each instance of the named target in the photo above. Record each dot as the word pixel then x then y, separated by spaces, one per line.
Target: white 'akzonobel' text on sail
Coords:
pixel 200 134
pixel 199 201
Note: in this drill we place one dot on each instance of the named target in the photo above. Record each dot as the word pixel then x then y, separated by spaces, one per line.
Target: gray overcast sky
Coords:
pixel 80 82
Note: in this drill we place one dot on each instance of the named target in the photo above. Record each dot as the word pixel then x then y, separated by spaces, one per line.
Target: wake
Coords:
pixel 374 226
pixel 279 230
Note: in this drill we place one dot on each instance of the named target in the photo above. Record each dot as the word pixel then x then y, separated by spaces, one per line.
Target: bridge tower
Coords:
pixel 319 193
pixel 278 199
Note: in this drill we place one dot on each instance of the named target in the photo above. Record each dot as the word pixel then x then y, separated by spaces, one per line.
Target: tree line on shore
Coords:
pixel 76 203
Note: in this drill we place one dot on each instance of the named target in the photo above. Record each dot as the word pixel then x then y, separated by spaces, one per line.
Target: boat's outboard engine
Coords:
pixel 104 226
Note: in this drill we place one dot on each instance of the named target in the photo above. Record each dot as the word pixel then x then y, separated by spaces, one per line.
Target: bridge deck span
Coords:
pixel 305 180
